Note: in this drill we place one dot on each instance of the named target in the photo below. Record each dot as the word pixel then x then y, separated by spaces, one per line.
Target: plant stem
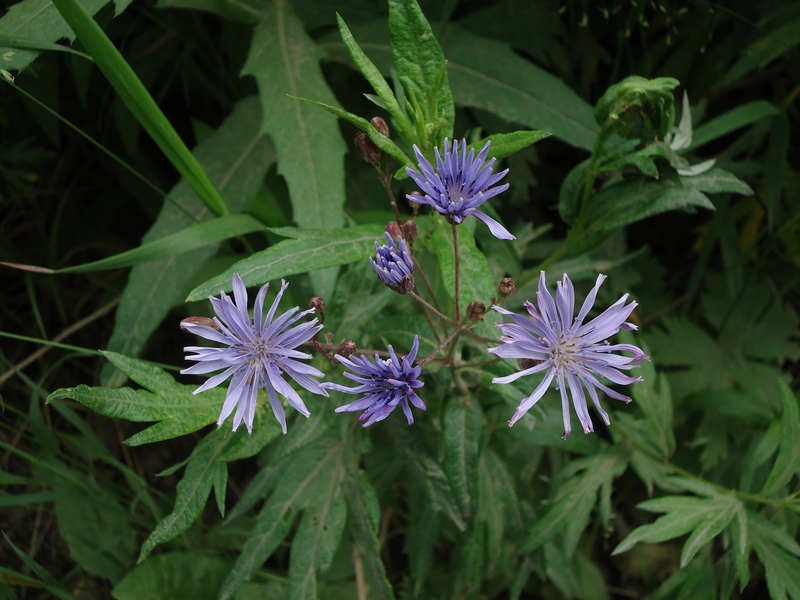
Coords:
pixel 457 271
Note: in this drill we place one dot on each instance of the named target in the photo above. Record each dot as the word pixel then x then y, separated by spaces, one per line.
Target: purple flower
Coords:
pixel 568 351
pixel 257 354
pixel 393 265
pixel 384 384
pixel 459 185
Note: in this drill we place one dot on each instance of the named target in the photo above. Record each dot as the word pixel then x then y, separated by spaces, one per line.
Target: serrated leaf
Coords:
pixel 284 60
pixel 572 506
pixel 787 463
pixel 422 70
pixel 782 570
pixel 174 407
pixel 462 423
pixel 710 527
pixel 506 144
pixel 191 238
pixel 424 528
pixel 236 157
pixel 295 489
pixel 684 513
pixel 289 257
pixel 376 80
pixel 39 21
pixel 193 490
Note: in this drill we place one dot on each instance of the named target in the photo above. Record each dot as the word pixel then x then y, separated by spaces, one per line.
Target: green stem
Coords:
pixel 457 271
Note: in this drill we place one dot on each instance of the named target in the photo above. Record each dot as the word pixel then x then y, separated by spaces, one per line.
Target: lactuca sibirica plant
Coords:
pixel 430 316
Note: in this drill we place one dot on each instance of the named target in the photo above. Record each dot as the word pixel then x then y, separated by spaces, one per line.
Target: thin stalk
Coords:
pixel 457 272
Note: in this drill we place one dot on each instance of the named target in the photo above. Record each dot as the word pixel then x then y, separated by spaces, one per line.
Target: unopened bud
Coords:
pixel 380 125
pixel 346 349
pixel 318 304
pixel 205 321
pixel 506 287
pixel 476 310
pixel 367 148
pixel 409 229
pixel 393 229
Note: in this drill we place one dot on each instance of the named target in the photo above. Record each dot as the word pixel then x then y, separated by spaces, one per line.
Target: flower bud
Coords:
pixel 506 287
pixel 318 304
pixel 476 310
pixel 414 205
pixel 346 349
pixel 380 125
pixel 367 148
pixel 405 286
pixel 409 229
pixel 527 363
pixel 393 229
pixel 205 321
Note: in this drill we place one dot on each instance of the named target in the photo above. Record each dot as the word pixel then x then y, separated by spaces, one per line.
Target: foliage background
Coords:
pixel 717 290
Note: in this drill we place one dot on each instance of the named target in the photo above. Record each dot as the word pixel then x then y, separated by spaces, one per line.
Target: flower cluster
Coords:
pixel 261 352
pixel 568 350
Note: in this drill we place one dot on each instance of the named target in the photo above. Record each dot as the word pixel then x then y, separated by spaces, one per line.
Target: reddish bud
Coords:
pixel 405 286
pixel 409 229
pixel 318 304
pixel 366 147
pixel 506 287
pixel 346 349
pixel 380 125
pixel 199 321
pixel 476 310
pixel 393 229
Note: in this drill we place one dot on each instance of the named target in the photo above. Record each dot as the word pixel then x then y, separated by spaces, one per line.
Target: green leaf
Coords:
pixel 284 60
pixel 380 140
pixel 498 80
pixel 734 119
pixel 173 576
pixel 422 71
pixel 787 464
pixel 302 482
pixel 782 570
pixel 462 423
pixel 506 144
pixel 237 157
pixel 191 238
pixel 193 490
pixel 316 250
pixel 139 101
pixel 571 508
pixel 364 511
pixel 378 83
pixel 476 281
pixel 175 408
pixel 38 22
pixel 570 195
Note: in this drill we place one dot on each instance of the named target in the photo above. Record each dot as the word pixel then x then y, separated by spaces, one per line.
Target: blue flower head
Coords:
pixel 257 353
pixel 567 350
pixel 393 265
pixel 459 184
pixel 384 383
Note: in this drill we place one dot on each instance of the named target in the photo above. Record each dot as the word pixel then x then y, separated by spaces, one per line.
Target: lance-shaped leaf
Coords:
pixel 462 424
pixel 310 250
pixel 172 405
pixel 285 62
pixel 787 464
pixel 422 71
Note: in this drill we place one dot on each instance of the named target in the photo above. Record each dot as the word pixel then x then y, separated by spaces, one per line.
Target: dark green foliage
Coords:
pixel 645 141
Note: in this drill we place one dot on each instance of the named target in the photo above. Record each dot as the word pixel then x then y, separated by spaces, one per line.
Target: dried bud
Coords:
pixel 346 349
pixel 393 229
pixel 318 304
pixel 506 287
pixel 380 125
pixel 368 150
pixel 405 286
pixel 476 310
pixel 205 321
pixel 409 229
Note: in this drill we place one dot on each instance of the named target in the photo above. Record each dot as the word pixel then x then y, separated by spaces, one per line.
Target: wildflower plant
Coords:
pixel 439 330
